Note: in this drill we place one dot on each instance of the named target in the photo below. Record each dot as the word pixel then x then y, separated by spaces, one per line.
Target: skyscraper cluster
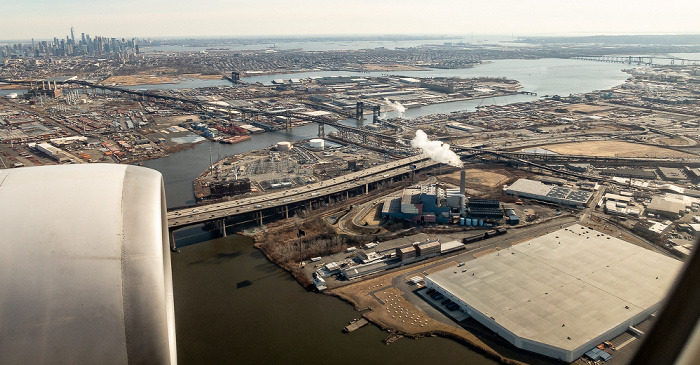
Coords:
pixel 69 46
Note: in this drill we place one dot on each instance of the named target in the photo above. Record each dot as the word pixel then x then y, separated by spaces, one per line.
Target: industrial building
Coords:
pixel 425 203
pixel 52 152
pixel 487 209
pixel 666 207
pixel 621 205
pixel 552 295
pixel 631 173
pixel 554 194
pixel 672 174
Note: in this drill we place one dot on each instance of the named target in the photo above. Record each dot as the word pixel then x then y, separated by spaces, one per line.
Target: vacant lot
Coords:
pixel 482 178
pixel 613 149
pixel 133 80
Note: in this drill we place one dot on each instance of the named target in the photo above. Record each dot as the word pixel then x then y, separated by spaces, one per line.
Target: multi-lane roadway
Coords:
pixel 361 179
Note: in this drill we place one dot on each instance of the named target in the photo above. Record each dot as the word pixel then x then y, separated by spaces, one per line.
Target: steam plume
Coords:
pixel 435 150
pixel 397 106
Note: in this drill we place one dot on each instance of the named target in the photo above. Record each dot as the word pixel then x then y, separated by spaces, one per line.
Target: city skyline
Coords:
pixel 43 19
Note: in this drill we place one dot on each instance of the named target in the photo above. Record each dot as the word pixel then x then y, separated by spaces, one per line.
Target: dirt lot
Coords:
pixel 673 141
pixel 613 149
pixel 200 77
pixel 133 80
pixel 587 109
pixel 373 216
pixel 484 181
pixel 150 79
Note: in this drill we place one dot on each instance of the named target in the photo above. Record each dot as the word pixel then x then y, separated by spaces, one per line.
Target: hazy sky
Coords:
pixel 41 19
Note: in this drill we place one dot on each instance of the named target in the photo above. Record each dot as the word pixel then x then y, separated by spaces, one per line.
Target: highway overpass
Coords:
pixel 364 179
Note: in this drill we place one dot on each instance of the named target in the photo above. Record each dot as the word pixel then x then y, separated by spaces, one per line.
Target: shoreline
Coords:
pixel 355 294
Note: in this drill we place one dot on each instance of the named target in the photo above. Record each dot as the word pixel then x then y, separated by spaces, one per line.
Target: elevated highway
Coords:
pixel 183 217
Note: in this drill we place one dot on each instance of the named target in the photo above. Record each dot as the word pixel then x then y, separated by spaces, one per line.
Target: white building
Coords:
pixel 557 294
pixel 550 193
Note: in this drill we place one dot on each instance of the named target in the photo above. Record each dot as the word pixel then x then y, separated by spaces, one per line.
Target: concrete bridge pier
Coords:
pixel 286 212
pixel 222 227
pixel 260 217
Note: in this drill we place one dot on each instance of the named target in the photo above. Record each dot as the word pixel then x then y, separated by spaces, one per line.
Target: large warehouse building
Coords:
pixel 550 193
pixel 563 293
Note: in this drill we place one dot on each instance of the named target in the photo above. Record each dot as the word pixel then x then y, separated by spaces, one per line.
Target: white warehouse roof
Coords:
pixel 563 293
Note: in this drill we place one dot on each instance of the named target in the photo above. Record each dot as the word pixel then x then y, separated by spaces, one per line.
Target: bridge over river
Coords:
pixel 281 202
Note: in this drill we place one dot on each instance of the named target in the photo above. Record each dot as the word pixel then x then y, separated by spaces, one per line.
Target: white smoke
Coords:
pixel 435 150
pixel 397 106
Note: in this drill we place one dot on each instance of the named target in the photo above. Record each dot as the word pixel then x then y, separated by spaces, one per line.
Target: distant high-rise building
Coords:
pixel 72 35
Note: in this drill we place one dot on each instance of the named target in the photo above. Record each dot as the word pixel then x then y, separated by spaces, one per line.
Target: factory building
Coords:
pixel 44 91
pixel 554 194
pixel 671 174
pixel 552 296
pixel 229 188
pixel 424 249
pixel 666 207
pixel 420 204
pixel 52 152
pixel 405 253
pixel 488 209
pixel 419 250
pixel 631 173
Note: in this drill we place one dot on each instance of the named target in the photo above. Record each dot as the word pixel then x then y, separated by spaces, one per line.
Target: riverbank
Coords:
pixel 377 296
pixel 387 308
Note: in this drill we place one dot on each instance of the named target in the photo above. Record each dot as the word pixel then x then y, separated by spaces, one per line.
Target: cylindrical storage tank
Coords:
pixel 284 146
pixel 467 221
pixel 481 222
pixel 461 221
pixel 317 143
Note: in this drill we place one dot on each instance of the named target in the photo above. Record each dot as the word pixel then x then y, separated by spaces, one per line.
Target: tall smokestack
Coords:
pixel 462 182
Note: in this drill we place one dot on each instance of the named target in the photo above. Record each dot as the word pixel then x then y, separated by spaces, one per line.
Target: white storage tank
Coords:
pixel 317 143
pixel 284 146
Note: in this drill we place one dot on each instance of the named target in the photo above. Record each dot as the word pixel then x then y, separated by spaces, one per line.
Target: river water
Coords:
pixel 221 320
pixel 274 320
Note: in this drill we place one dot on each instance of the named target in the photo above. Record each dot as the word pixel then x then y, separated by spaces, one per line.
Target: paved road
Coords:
pixel 209 212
